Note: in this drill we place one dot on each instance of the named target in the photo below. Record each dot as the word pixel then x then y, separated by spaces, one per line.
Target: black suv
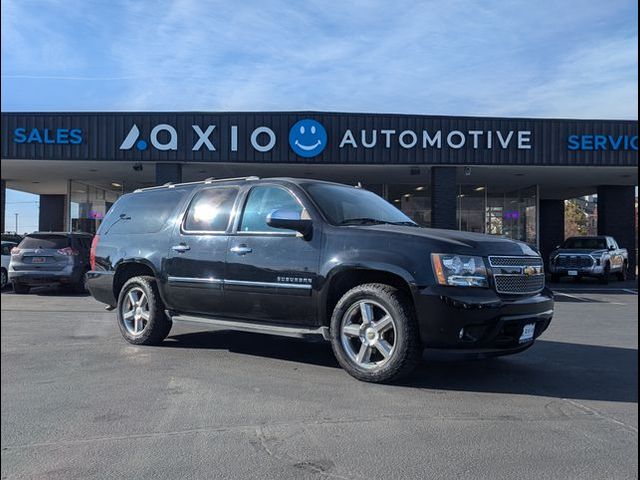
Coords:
pixel 301 258
pixel 50 258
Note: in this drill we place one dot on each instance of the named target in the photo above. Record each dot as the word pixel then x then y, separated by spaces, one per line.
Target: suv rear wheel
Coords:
pixel 81 285
pixel 21 288
pixel 622 274
pixel 374 333
pixel 604 279
pixel 141 315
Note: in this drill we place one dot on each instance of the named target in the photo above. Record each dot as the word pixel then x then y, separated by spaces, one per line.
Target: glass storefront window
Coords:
pixel 88 205
pixel 472 201
pixel 514 214
pixel 413 200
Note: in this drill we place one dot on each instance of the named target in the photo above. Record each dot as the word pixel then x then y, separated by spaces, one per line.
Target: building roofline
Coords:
pixel 314 112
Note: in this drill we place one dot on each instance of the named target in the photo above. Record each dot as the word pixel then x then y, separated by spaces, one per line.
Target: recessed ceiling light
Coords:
pixel 116 184
pixel 479 189
pixel 397 200
pixel 419 189
pixel 407 195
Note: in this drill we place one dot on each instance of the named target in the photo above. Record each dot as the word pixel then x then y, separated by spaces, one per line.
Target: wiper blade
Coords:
pixel 361 221
pixel 409 224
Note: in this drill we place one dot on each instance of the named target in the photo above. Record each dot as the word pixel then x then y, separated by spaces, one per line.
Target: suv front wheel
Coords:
pixel 141 315
pixel 374 334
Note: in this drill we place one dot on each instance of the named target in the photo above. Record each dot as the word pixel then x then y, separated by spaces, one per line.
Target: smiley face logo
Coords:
pixel 307 138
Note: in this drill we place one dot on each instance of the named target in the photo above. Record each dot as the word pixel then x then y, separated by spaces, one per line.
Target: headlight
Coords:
pixel 459 270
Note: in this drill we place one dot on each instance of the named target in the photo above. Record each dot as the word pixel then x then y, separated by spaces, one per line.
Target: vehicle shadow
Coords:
pixel 256 344
pixel 549 368
pixel 54 291
pixel 552 369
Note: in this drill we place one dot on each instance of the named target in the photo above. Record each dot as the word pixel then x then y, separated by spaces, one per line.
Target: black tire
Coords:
pixel 407 348
pixel 604 279
pixel 21 288
pixel 623 274
pixel 81 285
pixel 4 281
pixel 158 324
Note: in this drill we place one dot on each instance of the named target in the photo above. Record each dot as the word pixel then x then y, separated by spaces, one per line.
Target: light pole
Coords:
pixel 16 223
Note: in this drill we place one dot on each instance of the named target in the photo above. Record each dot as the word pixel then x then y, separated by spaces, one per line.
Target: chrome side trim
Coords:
pixel 212 281
pixel 219 281
pixel 280 330
pixel 246 283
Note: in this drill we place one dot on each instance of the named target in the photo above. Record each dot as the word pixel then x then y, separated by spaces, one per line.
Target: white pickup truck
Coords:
pixel 598 256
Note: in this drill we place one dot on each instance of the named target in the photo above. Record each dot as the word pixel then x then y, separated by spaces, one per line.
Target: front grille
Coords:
pixel 517 275
pixel 515 261
pixel 574 261
pixel 519 284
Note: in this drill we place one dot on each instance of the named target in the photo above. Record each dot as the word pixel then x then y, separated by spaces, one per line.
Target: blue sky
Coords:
pixel 574 59
pixel 516 58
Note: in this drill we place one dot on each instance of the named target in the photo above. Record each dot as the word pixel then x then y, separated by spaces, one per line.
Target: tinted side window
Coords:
pixel 143 212
pixel 260 203
pixel 210 210
pixel 6 249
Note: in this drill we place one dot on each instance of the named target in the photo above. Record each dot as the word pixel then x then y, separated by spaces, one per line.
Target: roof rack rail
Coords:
pixel 206 181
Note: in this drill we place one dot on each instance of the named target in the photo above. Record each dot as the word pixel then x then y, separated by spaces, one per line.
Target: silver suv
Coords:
pixel 50 258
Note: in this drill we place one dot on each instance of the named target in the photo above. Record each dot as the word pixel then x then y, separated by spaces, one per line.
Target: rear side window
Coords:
pixel 261 202
pixel 210 210
pixel 143 212
pixel 6 248
pixel 45 241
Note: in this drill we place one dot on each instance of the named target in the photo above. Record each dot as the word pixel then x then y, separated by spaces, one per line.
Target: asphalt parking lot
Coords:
pixel 79 402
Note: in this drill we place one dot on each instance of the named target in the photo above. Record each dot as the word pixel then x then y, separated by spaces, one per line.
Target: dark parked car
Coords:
pixel 597 257
pixel 12 237
pixel 50 258
pixel 302 258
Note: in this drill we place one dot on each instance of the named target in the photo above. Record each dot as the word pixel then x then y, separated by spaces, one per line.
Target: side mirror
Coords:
pixel 290 220
pixel 611 247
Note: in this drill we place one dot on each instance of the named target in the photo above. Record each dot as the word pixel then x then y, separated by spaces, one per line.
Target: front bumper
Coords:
pixel 594 271
pixel 478 320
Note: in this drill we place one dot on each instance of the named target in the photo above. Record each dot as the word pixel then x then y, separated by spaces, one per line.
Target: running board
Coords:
pixel 280 330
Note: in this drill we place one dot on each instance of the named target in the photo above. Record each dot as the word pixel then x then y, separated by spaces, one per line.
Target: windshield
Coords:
pixel 344 205
pixel 585 243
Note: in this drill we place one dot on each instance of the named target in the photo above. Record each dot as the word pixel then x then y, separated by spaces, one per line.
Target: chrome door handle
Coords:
pixel 241 249
pixel 181 248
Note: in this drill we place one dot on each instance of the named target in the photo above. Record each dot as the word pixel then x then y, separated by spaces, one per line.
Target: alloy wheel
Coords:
pixel 135 311
pixel 368 334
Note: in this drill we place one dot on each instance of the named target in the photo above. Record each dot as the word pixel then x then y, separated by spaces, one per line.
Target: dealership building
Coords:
pixel 503 176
